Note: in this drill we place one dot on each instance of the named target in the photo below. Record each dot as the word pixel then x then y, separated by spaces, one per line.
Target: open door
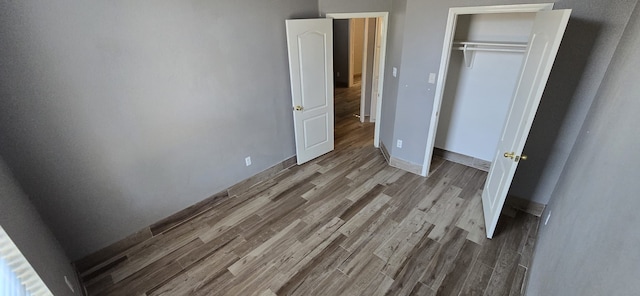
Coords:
pixel 547 33
pixel 310 45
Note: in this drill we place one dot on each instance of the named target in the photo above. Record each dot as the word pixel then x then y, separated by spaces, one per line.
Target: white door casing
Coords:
pixel 310 47
pixel 365 69
pixel 544 42
pixel 375 94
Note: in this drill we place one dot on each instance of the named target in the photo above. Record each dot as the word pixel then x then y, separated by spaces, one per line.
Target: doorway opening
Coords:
pixel 353 65
pixel 359 56
pixel 310 48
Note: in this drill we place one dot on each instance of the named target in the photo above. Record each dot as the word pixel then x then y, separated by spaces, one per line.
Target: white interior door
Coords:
pixel 548 29
pixel 310 44
pixel 375 80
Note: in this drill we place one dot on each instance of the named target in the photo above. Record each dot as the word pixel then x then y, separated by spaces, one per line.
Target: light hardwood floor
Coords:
pixel 343 224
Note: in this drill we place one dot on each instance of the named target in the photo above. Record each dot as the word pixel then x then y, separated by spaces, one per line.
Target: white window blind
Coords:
pixel 17 277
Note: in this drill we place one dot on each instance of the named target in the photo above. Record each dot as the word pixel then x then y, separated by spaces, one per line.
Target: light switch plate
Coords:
pixel 432 78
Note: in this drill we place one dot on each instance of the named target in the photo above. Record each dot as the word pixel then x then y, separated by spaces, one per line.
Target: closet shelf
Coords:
pixel 468 47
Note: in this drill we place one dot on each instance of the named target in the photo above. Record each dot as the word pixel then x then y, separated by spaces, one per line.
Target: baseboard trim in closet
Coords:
pixel 469 161
pixel 525 205
pixel 113 253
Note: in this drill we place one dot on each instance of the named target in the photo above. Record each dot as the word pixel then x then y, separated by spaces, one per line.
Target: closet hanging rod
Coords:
pixel 491 49
pixel 492 44
pixel 469 47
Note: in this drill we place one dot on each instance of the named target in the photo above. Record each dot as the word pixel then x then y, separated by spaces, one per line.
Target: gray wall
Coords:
pixel 115 114
pixel 22 223
pixel 328 6
pixel 590 246
pixel 341 52
pixel 395 37
pixel 594 32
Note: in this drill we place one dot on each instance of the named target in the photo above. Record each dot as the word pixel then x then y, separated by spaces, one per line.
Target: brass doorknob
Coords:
pixel 298 108
pixel 513 156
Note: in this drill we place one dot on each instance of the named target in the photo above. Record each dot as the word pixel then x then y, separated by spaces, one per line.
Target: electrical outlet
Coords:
pixel 547 220
pixel 399 144
pixel 66 280
pixel 247 160
pixel 395 72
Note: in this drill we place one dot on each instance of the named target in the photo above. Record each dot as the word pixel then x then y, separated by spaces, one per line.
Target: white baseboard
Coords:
pixel 462 159
pixel 400 163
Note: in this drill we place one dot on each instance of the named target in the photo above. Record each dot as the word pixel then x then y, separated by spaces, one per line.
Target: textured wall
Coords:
pixel 590 246
pixel 115 114
pixel 23 224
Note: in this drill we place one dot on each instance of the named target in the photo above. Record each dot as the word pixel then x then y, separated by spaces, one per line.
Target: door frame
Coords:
pixel 384 16
pixel 352 60
pixel 446 56
pixel 376 65
pixel 363 76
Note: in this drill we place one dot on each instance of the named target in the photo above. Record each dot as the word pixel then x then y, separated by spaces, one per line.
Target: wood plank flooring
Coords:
pixel 343 224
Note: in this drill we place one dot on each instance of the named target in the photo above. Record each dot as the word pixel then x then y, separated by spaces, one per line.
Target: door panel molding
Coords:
pixel 544 42
pixel 310 49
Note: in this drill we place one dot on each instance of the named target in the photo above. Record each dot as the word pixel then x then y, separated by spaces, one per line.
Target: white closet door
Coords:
pixel 548 29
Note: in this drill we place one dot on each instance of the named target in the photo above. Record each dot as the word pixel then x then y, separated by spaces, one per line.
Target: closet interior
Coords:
pixel 484 67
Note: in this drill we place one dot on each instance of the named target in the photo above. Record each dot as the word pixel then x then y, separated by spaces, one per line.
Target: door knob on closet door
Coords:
pixel 513 156
pixel 298 108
